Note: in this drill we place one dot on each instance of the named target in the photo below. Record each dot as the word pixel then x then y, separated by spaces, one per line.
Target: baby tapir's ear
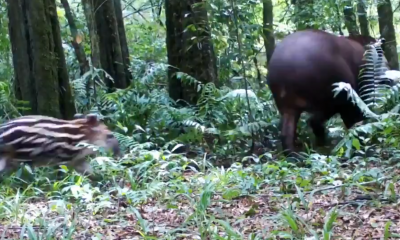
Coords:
pixel 92 119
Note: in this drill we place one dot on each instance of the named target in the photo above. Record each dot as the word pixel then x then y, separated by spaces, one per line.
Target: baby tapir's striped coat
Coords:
pixel 45 141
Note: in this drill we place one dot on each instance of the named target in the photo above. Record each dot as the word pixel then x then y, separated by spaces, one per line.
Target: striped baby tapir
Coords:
pixel 45 141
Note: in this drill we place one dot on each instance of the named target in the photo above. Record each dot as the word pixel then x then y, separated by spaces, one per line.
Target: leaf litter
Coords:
pixel 189 213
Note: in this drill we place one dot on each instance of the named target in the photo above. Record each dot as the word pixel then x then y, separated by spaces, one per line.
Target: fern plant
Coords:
pixel 373 84
pixel 146 117
pixel 10 107
pixel 89 88
pixel 375 93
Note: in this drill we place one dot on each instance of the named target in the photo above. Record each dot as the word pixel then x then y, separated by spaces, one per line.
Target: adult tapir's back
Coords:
pixel 306 63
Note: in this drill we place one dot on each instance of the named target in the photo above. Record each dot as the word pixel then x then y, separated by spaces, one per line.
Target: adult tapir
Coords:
pixel 302 69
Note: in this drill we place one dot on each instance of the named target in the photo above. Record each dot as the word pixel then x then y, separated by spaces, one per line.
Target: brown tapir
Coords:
pixel 301 72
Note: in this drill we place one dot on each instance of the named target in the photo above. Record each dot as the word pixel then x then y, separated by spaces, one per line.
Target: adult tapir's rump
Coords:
pixel 301 72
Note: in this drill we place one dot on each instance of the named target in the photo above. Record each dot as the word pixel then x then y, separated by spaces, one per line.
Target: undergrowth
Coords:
pixel 187 172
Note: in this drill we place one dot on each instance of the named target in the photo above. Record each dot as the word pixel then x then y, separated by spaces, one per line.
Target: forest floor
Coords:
pixel 232 204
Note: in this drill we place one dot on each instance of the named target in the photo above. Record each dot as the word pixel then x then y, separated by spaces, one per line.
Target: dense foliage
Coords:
pixel 187 172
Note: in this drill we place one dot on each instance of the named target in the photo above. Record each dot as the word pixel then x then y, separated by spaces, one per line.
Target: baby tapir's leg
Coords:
pixel 7 166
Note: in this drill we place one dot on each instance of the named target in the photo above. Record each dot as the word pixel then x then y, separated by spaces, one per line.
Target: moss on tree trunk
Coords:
pixel 88 9
pixel 113 56
pixel 268 19
pixel 38 57
pixel 122 39
pixel 189 47
pixel 386 28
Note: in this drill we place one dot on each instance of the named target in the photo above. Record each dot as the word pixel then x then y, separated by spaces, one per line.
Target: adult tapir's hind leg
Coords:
pixel 289 119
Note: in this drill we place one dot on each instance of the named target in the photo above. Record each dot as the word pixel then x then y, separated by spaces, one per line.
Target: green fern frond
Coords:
pixel 189 80
pixel 153 71
pixel 125 142
pixel 241 93
pixel 354 98
pixel 253 127
pixel 9 106
pixel 372 89
pixel 193 124
pixel 109 101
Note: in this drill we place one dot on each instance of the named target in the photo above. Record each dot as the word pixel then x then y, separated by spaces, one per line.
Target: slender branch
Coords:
pixel 243 69
pixel 136 10
pixel 139 10
pixel 79 51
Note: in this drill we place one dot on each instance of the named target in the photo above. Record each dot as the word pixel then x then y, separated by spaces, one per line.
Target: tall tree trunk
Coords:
pixel 350 19
pixel 268 19
pixel 5 47
pixel 123 40
pixel 79 51
pixel 386 28
pixel 88 9
pixel 190 49
pixel 40 70
pixel 112 53
pixel 362 18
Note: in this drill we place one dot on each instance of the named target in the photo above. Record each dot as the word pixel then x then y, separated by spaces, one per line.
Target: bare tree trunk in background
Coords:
pixel 41 76
pixel 88 9
pixel 112 53
pixel 268 19
pixel 190 51
pixel 5 47
pixel 79 51
pixel 362 18
pixel 350 19
pixel 386 28
pixel 123 40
